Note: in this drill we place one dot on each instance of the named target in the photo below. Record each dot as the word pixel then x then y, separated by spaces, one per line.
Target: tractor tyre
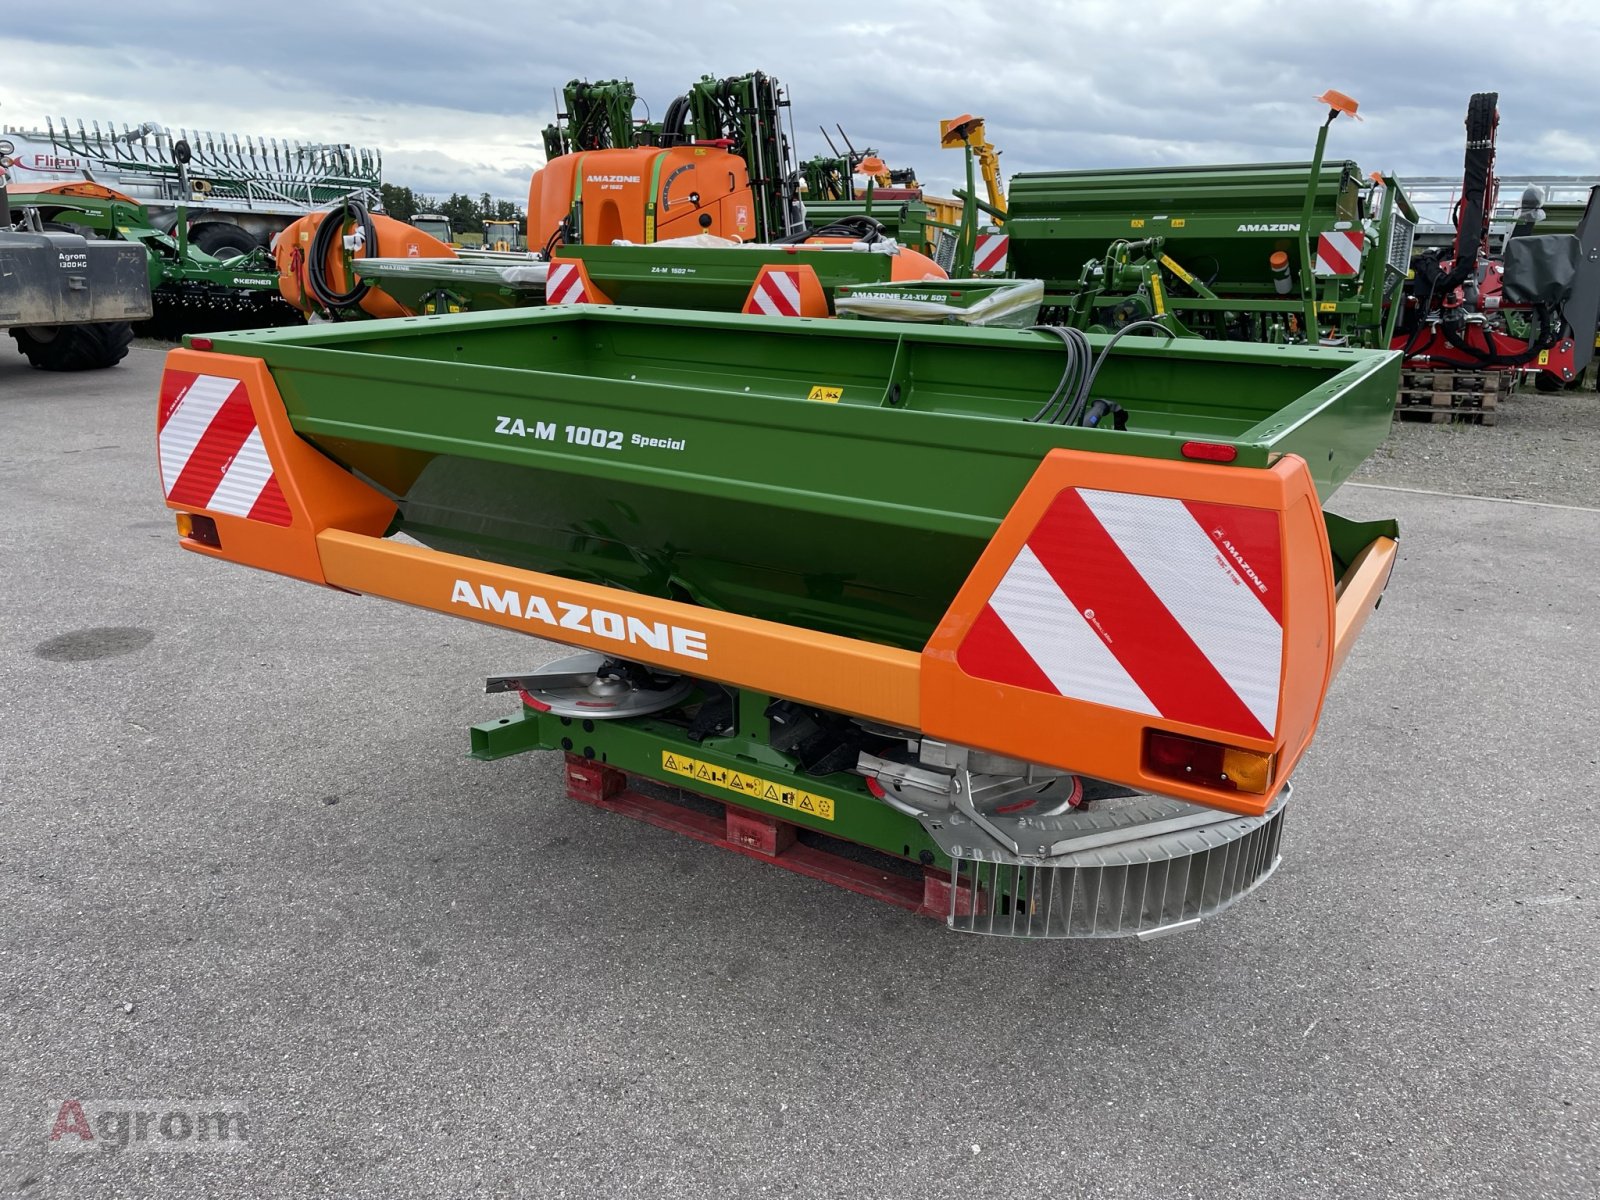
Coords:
pixel 225 241
pixel 1544 381
pixel 75 347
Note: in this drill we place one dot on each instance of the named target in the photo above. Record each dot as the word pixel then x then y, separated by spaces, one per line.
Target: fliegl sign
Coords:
pixel 36 157
pixel 536 610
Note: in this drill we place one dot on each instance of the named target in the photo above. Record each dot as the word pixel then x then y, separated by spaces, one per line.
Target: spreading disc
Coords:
pixel 570 687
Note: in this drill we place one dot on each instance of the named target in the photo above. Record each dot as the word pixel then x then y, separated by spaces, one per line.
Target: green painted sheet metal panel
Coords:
pixel 1222 222
pixel 681 454
pixel 714 278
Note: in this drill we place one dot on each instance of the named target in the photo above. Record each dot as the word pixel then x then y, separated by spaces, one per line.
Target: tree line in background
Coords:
pixel 465 212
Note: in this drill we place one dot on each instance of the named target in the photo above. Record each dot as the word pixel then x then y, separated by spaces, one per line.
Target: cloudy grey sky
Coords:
pixel 455 95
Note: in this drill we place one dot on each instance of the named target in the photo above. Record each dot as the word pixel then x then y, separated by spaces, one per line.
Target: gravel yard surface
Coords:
pixel 1545 447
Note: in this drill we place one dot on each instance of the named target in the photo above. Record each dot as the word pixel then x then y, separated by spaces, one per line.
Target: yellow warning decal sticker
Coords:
pixel 1156 296
pixel 1174 267
pixel 1179 222
pixel 1544 358
pixel 829 394
pixel 1327 306
pixel 748 786
pixel 1136 223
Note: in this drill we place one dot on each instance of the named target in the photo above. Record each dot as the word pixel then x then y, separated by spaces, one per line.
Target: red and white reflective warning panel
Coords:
pixel 776 294
pixel 1339 252
pixel 1171 608
pixel 212 457
pixel 564 284
pixel 991 251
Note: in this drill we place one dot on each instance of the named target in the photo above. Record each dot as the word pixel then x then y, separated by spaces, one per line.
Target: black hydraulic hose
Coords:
pixel 1422 320
pixel 1487 357
pixel 1130 327
pixel 330 228
pixel 674 121
pixel 1069 403
pixel 1072 389
pixel 861 228
pixel 1549 334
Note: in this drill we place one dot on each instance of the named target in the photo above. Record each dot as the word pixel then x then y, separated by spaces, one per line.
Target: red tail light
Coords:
pixel 1207 764
pixel 200 529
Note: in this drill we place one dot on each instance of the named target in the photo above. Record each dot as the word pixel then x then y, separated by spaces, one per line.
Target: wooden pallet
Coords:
pixel 1461 397
pixel 917 888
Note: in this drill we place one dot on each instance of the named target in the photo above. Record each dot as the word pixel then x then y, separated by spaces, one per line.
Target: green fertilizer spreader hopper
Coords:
pixel 1026 629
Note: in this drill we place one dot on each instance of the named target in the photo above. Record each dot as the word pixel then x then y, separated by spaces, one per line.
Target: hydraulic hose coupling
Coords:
pixel 1280 272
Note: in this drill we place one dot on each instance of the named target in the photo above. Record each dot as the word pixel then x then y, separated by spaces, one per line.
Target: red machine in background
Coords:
pixel 1534 308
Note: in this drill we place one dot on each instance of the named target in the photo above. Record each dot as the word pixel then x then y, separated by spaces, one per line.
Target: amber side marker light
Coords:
pixel 1207 764
pixel 195 528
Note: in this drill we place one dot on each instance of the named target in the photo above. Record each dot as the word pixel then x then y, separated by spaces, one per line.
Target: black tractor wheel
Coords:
pixel 1544 381
pixel 225 241
pixel 75 347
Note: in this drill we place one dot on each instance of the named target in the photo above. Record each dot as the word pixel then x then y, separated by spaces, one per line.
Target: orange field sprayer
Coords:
pixel 1025 629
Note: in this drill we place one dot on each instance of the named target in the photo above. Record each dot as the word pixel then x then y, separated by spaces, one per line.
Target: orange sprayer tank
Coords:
pixel 396 239
pixel 643 194
pixel 912 266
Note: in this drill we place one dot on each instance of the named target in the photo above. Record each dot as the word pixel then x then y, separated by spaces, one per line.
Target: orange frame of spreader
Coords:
pixel 335 538
pixel 1106 742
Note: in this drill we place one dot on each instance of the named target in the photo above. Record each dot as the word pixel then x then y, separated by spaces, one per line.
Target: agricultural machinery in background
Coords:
pixel 234 193
pixel 192 291
pixel 1531 306
pixel 1316 253
pixel 1313 252
pixel 503 236
pixel 435 225
pixel 1261 252
pixel 718 162
pixel 889 200
pixel 1554 203
pixel 699 209
pixel 68 301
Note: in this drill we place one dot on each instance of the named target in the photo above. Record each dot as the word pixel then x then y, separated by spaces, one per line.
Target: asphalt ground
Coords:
pixel 246 864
